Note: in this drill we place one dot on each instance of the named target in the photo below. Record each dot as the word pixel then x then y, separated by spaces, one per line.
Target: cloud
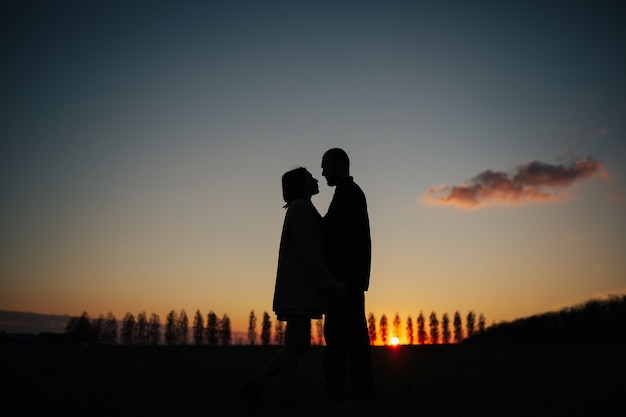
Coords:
pixel 533 182
pixel 602 131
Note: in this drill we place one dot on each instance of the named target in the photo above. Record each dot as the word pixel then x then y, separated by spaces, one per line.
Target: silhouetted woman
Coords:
pixel 303 283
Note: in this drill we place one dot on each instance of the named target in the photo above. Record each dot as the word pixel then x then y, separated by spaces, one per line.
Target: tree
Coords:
pixel 141 329
pixel 319 324
pixel 458 327
pixel 198 328
pixel 109 332
pixel 212 329
pixel 266 329
pixel 71 324
pixel 182 328
pixel 312 335
pixel 79 330
pixel 371 328
pixel 154 329
pixel 252 328
pixel 128 329
pixel 445 329
pixel 409 330
pixel 434 328
pixel 97 328
pixel 421 329
pixel 383 329
pixel 171 328
pixel 396 326
pixel 481 323
pixel 470 324
pixel 279 333
pixel 225 331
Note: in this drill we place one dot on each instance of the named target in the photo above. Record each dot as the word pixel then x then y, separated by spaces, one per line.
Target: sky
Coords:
pixel 143 145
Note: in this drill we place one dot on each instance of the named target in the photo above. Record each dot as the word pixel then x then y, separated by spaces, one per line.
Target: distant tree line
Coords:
pixel 431 332
pixel 317 332
pixel 213 331
pixel 142 330
pixel 595 320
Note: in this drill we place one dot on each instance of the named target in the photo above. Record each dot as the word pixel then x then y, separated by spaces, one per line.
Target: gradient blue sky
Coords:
pixel 143 144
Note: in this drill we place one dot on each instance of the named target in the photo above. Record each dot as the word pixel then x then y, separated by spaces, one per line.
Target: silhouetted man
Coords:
pixel 347 359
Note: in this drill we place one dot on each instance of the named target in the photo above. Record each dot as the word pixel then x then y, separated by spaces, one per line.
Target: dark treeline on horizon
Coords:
pixel 142 330
pixel 214 331
pixel 432 332
pixel 594 320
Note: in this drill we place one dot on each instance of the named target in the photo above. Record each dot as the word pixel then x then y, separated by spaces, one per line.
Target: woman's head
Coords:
pixel 298 183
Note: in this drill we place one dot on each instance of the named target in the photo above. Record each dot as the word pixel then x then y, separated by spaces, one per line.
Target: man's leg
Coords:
pixel 335 358
pixel 359 353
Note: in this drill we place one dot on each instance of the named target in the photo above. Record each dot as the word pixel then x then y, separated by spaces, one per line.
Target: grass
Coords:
pixel 450 380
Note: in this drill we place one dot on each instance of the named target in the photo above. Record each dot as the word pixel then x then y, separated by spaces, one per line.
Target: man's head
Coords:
pixel 335 166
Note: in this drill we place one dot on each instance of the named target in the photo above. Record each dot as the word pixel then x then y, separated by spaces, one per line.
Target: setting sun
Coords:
pixel 395 341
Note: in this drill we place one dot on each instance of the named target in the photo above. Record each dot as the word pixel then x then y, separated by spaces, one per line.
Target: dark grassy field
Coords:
pixel 452 380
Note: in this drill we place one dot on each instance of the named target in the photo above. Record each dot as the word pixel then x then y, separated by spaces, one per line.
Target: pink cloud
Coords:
pixel 603 131
pixel 533 182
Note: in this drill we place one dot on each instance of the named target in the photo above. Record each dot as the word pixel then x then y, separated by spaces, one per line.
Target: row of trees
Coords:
pixel 317 337
pixel 142 330
pixel 213 331
pixel 436 332
pixel 433 332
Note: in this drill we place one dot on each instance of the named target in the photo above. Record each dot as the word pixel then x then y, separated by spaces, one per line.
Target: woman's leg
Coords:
pixel 297 341
pixel 251 392
pixel 272 369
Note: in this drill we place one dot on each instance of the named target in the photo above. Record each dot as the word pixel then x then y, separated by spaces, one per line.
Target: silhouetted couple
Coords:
pixel 323 269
